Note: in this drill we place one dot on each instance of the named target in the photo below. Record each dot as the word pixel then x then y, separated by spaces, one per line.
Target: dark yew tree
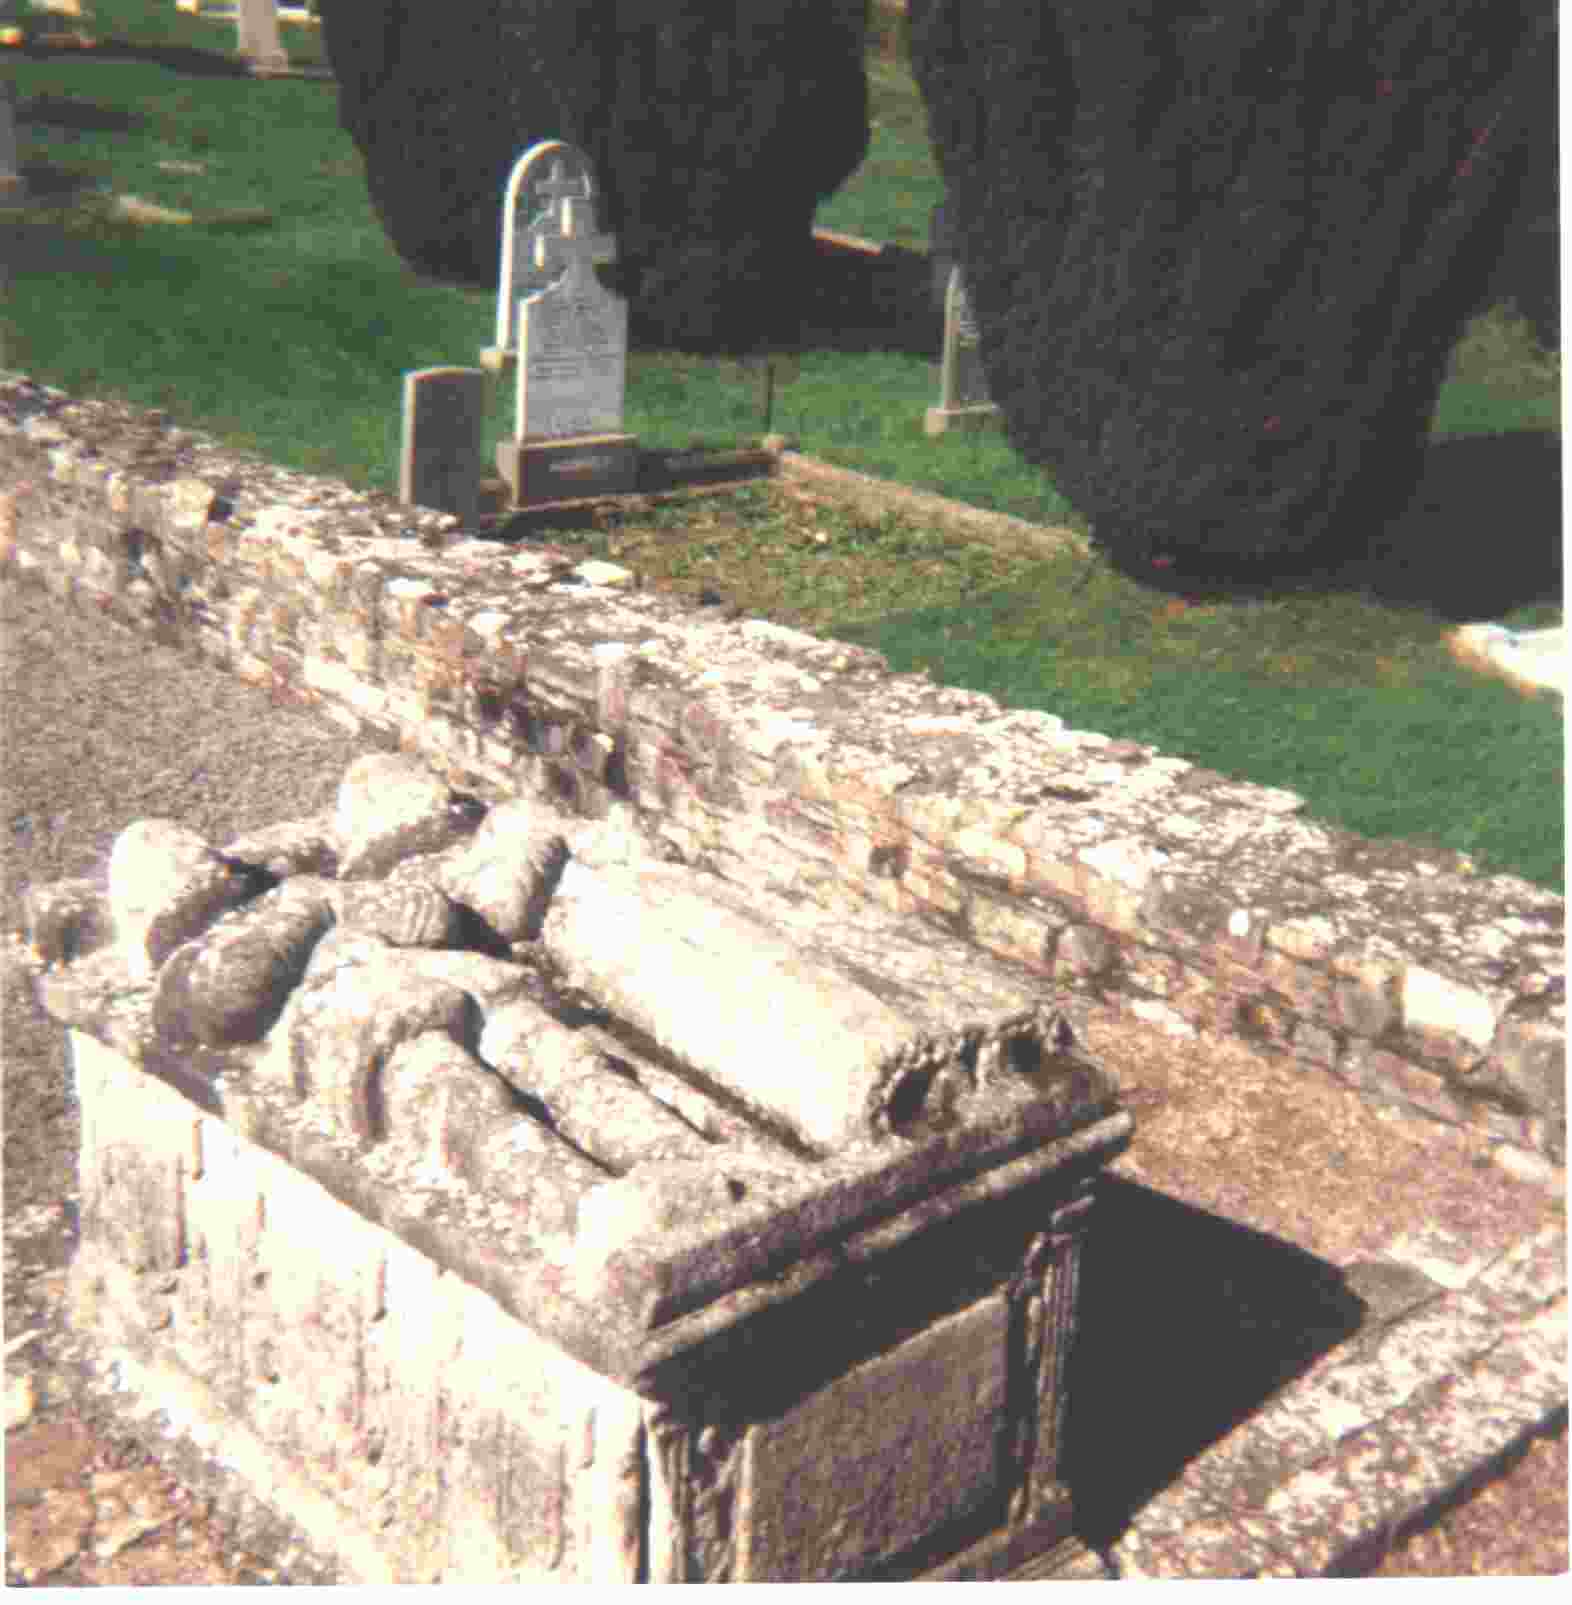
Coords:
pixel 716 130
pixel 1220 255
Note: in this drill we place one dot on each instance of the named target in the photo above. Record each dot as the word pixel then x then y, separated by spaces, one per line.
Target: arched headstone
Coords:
pixel 566 335
pixel 547 176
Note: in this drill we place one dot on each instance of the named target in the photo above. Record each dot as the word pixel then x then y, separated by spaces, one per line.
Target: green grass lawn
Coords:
pixel 280 320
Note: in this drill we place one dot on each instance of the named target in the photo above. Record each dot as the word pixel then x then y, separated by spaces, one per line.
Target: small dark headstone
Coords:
pixel 439 463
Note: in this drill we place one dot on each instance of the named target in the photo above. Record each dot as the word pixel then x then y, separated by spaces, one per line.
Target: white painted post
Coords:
pixel 257 32
pixel 256 28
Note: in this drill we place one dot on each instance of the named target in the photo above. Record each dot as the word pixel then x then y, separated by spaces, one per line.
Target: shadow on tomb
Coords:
pixel 1448 549
pixel 716 131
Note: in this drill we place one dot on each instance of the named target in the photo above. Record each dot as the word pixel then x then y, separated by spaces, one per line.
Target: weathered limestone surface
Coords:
pixel 524 1281
pixel 788 764
pixel 450 1440
pixel 858 1039
pixel 880 1407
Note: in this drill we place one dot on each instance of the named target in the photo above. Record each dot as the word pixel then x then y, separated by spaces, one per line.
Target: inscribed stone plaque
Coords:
pixel 439 462
pixel 544 179
pixel 573 350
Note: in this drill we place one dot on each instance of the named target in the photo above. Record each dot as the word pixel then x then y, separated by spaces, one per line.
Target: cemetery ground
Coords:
pixel 231 272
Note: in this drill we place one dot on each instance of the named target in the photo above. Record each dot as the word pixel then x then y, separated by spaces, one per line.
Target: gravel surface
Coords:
pixel 99 727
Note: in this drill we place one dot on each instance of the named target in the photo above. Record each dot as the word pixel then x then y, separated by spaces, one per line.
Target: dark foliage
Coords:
pixel 1220 258
pixel 715 130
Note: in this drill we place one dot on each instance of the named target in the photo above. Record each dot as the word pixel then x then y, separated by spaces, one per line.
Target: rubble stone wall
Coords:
pixel 786 763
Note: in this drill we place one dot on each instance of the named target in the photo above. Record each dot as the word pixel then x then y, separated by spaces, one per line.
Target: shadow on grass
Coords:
pixel 1480 538
pixel 861 303
pixel 1188 1323
pixel 185 59
pixel 1482 535
pixel 69 116
pixel 850 301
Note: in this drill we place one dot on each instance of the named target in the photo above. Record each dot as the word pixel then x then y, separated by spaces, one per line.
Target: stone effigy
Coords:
pixel 1220 259
pixel 518 1205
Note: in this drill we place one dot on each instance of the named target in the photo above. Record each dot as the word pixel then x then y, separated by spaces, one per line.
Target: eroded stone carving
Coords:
pixel 506 1194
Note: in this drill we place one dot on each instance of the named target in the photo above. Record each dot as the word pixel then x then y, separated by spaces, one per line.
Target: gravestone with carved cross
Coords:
pixel 535 252
pixel 571 352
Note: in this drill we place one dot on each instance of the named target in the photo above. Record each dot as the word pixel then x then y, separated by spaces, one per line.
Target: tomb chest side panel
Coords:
pixel 443 1429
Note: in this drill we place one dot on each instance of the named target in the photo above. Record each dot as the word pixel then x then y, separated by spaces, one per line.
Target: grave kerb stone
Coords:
pixel 533 231
pixel 439 455
pixel 963 386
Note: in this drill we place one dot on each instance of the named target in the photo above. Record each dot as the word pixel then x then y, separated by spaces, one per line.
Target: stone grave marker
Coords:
pixel 439 458
pixel 544 179
pixel 256 30
pixel 767 371
pixel 963 386
pixel 13 187
pixel 803 1317
pixel 572 355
